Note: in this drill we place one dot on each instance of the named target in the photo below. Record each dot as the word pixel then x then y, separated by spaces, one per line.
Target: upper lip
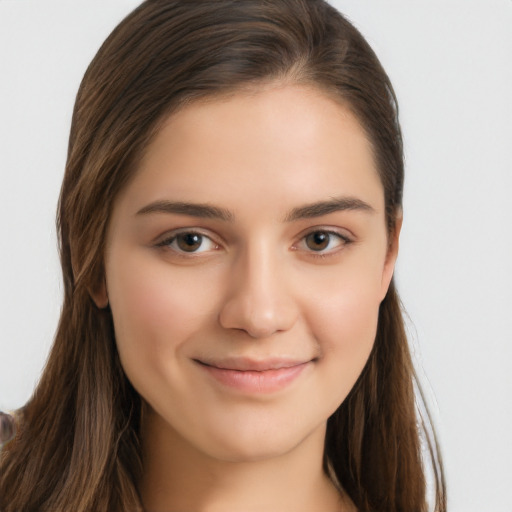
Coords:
pixel 247 364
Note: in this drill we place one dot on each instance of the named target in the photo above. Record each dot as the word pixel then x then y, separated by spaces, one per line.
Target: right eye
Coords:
pixel 189 242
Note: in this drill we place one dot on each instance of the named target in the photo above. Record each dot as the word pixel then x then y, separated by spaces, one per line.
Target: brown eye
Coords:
pixel 189 242
pixel 318 241
pixel 324 242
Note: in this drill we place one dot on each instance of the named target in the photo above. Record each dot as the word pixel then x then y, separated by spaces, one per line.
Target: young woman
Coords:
pixel 231 338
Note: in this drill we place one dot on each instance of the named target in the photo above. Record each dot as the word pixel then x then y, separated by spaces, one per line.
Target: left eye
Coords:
pixel 189 242
pixel 323 241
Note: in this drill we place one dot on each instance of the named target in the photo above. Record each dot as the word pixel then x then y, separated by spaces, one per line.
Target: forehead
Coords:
pixel 287 142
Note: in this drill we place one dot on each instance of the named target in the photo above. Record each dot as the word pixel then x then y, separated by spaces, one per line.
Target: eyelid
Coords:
pixel 164 241
pixel 167 238
pixel 337 232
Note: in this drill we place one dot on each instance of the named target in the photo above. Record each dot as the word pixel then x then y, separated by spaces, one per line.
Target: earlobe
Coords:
pixel 99 294
pixel 391 256
pixel 98 291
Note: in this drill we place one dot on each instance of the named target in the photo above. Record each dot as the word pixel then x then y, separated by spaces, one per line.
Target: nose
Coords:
pixel 259 300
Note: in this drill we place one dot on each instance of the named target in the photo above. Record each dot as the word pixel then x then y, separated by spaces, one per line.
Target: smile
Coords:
pixel 255 376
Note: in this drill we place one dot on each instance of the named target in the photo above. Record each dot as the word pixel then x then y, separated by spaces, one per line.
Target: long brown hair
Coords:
pixel 78 446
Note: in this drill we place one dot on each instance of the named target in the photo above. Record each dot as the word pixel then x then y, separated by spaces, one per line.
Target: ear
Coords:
pixel 99 294
pixel 391 255
pixel 97 291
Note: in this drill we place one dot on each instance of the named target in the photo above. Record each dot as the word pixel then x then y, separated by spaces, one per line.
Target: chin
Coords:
pixel 251 451
pixel 250 444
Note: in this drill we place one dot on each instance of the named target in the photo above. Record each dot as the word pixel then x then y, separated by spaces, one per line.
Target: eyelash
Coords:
pixel 343 239
pixel 167 241
pixel 343 242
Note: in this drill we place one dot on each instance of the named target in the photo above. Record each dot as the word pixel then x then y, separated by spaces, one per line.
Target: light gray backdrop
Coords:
pixel 450 62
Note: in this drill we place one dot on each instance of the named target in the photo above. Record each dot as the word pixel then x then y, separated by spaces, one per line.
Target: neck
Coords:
pixel 179 477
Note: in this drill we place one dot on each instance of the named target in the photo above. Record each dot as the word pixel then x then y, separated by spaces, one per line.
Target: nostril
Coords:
pixel 259 301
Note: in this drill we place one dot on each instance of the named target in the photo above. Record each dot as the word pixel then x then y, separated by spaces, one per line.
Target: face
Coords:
pixel 245 264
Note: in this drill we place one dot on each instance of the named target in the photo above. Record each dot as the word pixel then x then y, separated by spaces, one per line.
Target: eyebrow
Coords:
pixel 200 210
pixel 320 208
pixel 206 211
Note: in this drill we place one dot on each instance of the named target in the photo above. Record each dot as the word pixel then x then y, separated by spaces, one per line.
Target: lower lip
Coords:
pixel 266 381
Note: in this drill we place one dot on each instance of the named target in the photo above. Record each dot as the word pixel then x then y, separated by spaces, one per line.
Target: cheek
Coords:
pixel 343 320
pixel 155 312
pixel 346 324
pixel 345 349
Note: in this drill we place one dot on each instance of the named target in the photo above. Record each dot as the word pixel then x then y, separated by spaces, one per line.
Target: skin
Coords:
pixel 257 286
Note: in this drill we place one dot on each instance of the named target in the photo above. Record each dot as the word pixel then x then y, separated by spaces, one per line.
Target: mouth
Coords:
pixel 251 376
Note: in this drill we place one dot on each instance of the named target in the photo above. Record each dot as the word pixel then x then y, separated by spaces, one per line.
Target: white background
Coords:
pixel 450 62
